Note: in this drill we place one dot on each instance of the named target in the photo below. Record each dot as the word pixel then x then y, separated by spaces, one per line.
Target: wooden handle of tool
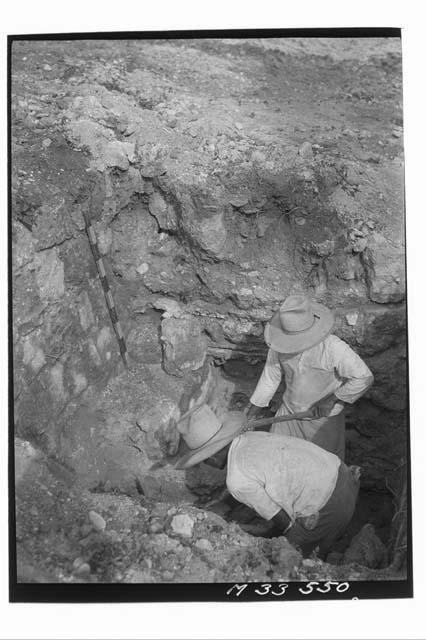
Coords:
pixel 294 416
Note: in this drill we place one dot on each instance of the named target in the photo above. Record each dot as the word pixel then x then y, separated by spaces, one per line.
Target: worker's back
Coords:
pixel 270 471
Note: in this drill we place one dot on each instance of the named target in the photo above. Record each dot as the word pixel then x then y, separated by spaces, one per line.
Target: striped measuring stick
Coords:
pixel 107 289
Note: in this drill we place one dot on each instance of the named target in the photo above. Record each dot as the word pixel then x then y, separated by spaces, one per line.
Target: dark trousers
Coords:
pixel 333 519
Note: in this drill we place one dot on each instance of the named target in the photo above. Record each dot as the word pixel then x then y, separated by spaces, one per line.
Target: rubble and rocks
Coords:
pixel 209 207
pixel 366 549
pixel 145 540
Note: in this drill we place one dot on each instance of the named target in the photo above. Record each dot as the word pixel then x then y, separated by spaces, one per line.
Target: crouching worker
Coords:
pixel 299 489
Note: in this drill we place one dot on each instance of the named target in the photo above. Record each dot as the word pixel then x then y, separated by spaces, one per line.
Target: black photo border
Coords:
pixel 187 592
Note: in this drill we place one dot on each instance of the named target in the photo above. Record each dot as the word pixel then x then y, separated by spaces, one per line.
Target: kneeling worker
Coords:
pixel 299 489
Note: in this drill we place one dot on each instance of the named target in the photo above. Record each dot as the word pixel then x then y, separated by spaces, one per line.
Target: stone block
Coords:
pixel 385 269
pixel 49 274
pixel 162 211
pixel 33 355
pixel 85 311
pixel 184 346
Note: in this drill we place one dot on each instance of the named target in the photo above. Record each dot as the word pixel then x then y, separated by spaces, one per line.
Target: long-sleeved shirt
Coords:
pixel 269 472
pixel 329 367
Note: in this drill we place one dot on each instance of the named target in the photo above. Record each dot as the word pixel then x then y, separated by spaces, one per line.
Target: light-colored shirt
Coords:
pixel 269 472
pixel 329 367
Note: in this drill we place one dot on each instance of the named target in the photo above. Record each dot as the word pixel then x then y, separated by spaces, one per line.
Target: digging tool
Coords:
pixel 206 413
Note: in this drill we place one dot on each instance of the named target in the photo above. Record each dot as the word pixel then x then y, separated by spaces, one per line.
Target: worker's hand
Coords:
pixel 323 408
pixel 309 522
pixel 251 411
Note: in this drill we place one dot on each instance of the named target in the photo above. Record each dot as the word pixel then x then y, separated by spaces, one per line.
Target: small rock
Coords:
pixel 183 525
pixel 47 67
pixel 77 563
pixel 83 569
pixel 351 176
pixel 170 307
pixel 238 126
pixel 306 150
pixel 359 245
pixel 308 176
pixel 118 154
pixel 351 319
pixel 300 221
pixel 238 201
pixel 114 536
pixel 155 525
pixel 46 143
pixel 366 548
pixel 397 133
pixel 204 545
pixel 245 229
pixel 167 575
pixel 143 268
pixel 245 292
pixel 309 563
pixel 97 520
pixel 154 169
pixel 262 225
pixel 249 210
pixel 253 274
pixel 258 156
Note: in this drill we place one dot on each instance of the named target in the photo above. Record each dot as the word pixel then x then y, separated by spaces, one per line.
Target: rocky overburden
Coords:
pixel 219 176
pixel 70 535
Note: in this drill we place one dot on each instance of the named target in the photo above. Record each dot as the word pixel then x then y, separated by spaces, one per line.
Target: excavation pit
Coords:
pixel 208 209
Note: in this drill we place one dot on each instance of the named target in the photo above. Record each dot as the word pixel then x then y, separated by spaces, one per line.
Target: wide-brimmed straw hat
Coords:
pixel 205 435
pixel 298 325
